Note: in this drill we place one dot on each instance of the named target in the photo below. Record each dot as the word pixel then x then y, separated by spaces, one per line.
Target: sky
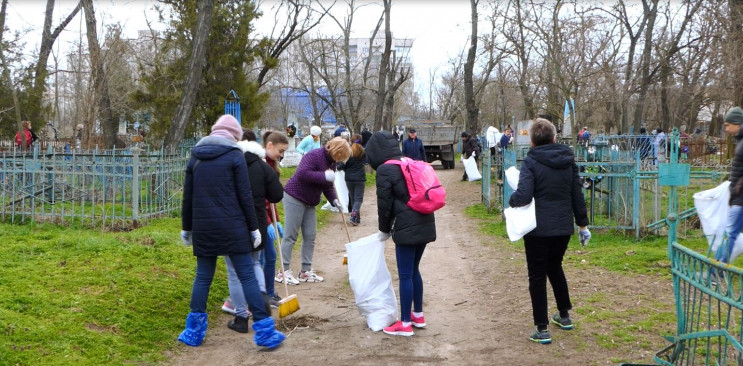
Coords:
pixel 439 28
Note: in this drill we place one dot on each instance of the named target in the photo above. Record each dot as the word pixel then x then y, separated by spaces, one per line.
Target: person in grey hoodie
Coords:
pixel 549 175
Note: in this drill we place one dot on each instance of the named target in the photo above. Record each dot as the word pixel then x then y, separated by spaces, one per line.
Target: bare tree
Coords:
pixel 383 68
pixel 473 111
pixel 651 9
pixel 193 76
pixel 736 45
pixel 6 73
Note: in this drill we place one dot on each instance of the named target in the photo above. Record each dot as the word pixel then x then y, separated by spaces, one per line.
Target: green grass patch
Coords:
pixel 71 295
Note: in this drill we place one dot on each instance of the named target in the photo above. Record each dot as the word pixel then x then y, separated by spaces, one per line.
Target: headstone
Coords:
pixel 291 156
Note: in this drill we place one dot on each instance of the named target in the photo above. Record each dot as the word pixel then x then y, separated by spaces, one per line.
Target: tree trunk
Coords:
pixel 7 77
pixel 195 68
pixel 645 80
pixel 100 81
pixel 471 123
pixel 383 68
pixel 736 43
pixel 48 37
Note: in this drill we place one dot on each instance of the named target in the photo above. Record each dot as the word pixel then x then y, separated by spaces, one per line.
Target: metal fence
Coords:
pixel 117 188
pixel 620 179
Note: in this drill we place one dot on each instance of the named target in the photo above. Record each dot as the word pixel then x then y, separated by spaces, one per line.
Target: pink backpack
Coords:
pixel 426 192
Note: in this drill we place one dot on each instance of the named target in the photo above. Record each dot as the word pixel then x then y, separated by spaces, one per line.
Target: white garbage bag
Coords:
pixel 512 177
pixel 341 190
pixel 371 282
pixel 520 220
pixel 470 166
pixel 712 209
pixel 493 136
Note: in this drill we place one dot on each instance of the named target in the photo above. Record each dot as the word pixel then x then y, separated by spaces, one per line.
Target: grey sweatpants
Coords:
pixel 355 195
pixel 298 215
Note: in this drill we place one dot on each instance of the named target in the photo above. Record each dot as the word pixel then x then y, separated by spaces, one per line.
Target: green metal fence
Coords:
pixel 115 188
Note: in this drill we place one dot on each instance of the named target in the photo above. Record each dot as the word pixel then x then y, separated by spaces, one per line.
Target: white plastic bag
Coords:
pixel 341 190
pixel 470 167
pixel 493 136
pixel 371 282
pixel 512 177
pixel 520 220
pixel 712 209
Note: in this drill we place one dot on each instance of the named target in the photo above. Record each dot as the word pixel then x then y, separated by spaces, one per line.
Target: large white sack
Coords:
pixel 341 190
pixel 512 177
pixel 520 220
pixel 470 166
pixel 493 136
pixel 712 209
pixel 371 282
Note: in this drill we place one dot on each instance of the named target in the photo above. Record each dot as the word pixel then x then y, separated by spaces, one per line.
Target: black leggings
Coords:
pixel 544 260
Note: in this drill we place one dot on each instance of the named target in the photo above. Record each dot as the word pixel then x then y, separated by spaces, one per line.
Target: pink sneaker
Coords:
pixel 417 322
pixel 228 308
pixel 399 329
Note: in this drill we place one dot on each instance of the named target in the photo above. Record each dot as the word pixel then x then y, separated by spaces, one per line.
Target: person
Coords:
pixel 365 136
pixel 732 125
pixel 314 175
pixel 28 133
pixel 355 179
pixel 505 140
pixel 644 144
pixel 469 147
pixel 338 131
pixel 411 231
pixel 265 187
pixel 310 142
pixel 412 147
pixel 549 175
pixel 218 218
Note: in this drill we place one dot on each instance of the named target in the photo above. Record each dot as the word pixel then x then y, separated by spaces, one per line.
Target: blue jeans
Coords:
pixel 237 296
pixel 205 267
pixel 732 229
pixel 411 282
pixel 269 263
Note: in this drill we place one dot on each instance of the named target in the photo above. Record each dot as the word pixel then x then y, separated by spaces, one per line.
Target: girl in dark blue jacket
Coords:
pixel 549 175
pixel 218 218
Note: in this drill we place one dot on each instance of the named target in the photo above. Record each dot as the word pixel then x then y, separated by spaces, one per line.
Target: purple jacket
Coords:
pixel 309 180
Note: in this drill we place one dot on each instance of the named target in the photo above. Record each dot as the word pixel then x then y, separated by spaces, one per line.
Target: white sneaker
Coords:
pixel 310 276
pixel 290 280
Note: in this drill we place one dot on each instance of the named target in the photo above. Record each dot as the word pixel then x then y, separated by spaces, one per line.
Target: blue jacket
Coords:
pixel 308 144
pixel 413 149
pixel 217 200
pixel 550 176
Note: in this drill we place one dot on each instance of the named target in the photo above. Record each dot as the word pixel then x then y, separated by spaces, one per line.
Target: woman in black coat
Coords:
pixel 549 175
pixel 218 218
pixel 411 231
pixel 355 179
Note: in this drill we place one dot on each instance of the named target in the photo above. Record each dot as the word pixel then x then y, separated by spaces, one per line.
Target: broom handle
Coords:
pixel 344 224
pixel 278 239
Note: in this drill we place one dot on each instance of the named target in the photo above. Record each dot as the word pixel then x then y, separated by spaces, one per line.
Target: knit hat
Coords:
pixel 227 127
pixel 315 131
pixel 734 116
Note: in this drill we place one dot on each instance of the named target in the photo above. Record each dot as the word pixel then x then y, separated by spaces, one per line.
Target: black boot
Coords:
pixel 238 324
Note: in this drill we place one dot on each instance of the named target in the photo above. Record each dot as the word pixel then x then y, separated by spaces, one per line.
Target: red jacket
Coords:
pixel 28 138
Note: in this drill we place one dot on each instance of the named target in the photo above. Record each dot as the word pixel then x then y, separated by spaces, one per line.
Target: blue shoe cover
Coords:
pixel 195 330
pixel 266 334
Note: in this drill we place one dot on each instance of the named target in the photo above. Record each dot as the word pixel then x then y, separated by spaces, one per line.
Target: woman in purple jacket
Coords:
pixel 314 176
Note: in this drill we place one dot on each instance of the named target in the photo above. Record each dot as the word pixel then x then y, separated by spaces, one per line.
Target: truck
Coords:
pixel 439 139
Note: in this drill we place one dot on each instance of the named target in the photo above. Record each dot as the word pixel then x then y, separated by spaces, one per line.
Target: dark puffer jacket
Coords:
pixel 217 199
pixel 550 176
pixel 406 226
pixel 264 182
pixel 354 170
pixel 736 173
pixel 470 146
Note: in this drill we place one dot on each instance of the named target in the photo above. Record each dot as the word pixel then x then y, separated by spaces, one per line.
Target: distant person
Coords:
pixel 505 141
pixel 470 147
pixel 365 136
pixel 218 219
pixel 644 144
pixel 660 144
pixel 314 177
pixel 28 134
pixel 549 175
pixel 412 147
pixel 310 142
pixel 355 179
pixel 341 129
pixel 411 231
pixel 732 124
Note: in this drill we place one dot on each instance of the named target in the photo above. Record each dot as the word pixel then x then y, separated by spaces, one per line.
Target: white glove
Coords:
pixel 186 237
pixel 584 235
pixel 337 203
pixel 383 236
pixel 256 234
pixel 474 154
pixel 330 175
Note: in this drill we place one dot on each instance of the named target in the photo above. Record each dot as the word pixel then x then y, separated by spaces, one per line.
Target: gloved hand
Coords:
pixel 330 175
pixel 272 233
pixel 474 154
pixel 584 235
pixel 337 203
pixel 383 236
pixel 256 235
pixel 186 237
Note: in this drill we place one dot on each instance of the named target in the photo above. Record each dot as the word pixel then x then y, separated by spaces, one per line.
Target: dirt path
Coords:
pixel 475 299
